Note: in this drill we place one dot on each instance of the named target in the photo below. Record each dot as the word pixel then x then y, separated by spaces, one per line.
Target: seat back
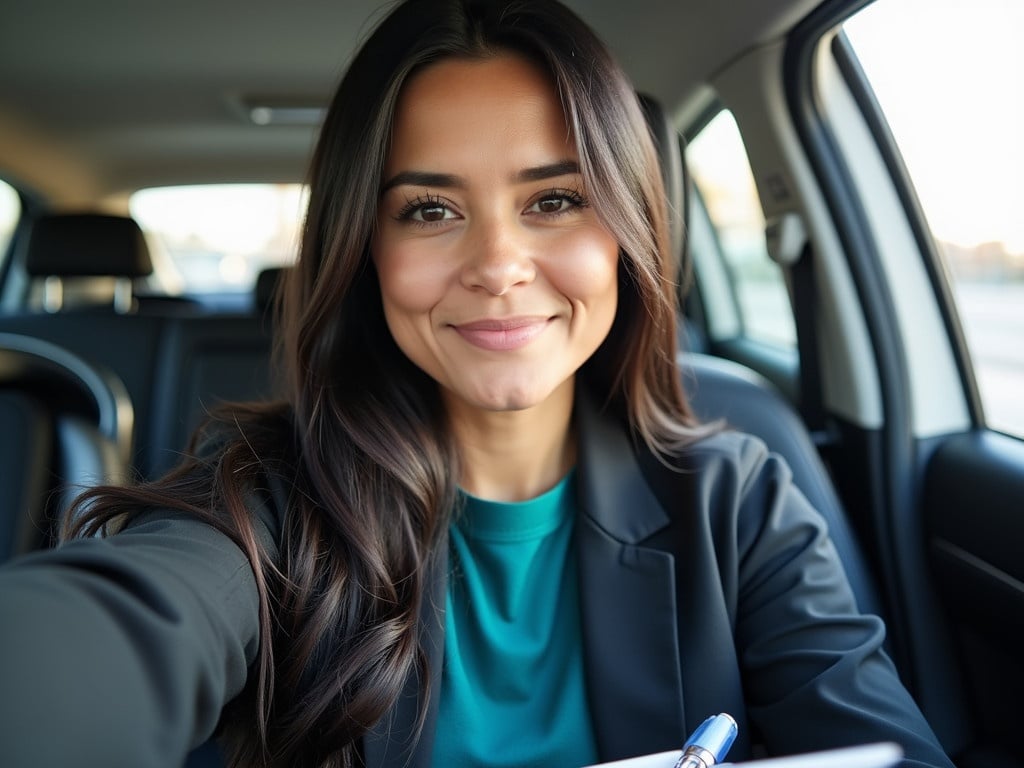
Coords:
pixel 204 360
pixel 67 425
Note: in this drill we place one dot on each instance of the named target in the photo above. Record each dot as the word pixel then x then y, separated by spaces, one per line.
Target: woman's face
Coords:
pixel 497 277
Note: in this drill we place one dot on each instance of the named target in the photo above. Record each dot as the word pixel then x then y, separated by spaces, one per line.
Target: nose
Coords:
pixel 498 257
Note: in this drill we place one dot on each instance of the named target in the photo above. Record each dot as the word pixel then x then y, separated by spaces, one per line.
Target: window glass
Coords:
pixel 955 108
pixel 10 211
pixel 718 163
pixel 217 238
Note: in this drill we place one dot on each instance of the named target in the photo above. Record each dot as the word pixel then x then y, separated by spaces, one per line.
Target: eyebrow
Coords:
pixel 430 179
pixel 541 172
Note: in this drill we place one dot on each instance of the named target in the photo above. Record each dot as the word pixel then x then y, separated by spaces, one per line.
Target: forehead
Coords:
pixel 458 108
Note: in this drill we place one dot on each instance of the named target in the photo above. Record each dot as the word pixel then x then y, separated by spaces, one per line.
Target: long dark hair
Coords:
pixel 361 435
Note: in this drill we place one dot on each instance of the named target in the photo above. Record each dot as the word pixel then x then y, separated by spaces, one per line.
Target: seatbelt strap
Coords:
pixel 789 246
pixel 805 305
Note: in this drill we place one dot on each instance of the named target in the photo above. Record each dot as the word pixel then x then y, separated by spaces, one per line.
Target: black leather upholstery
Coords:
pixel 66 425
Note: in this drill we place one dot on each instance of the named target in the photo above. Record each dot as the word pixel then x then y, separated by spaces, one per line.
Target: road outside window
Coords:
pixel 954 102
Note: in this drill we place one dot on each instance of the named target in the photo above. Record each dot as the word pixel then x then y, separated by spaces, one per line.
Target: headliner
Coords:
pixel 101 98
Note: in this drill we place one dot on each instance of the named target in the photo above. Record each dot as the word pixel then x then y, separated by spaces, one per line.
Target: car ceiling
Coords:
pixel 100 98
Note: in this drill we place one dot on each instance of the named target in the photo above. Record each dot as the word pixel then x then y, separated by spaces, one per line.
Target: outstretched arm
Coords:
pixel 123 651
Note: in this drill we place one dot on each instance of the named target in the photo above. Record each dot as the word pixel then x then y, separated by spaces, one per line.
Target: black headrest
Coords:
pixel 266 287
pixel 666 141
pixel 87 245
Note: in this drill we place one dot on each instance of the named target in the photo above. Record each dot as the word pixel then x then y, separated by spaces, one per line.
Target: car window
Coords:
pixel 955 108
pixel 10 211
pixel 217 238
pixel 721 172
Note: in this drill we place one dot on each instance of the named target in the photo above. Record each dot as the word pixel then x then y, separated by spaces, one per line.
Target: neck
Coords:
pixel 515 455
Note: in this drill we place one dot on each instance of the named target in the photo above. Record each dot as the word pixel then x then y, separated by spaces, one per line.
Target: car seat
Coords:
pixel 66 425
pixel 90 262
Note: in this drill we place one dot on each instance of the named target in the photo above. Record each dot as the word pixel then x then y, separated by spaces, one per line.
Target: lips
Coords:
pixel 502 334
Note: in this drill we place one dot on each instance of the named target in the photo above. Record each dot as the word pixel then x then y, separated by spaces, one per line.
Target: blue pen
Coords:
pixel 709 743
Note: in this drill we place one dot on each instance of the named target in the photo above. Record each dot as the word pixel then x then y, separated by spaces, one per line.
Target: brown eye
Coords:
pixel 556 203
pixel 433 213
pixel 426 211
pixel 551 205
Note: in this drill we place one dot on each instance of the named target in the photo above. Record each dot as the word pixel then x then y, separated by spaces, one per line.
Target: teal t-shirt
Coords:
pixel 512 691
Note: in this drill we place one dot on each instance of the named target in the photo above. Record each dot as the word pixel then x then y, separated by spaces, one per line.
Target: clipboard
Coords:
pixel 880 755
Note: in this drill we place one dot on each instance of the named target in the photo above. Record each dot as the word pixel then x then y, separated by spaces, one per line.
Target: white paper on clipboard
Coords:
pixel 881 755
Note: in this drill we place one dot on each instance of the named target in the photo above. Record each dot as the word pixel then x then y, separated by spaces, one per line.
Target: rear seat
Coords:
pixel 173 363
pixel 65 248
pixel 206 359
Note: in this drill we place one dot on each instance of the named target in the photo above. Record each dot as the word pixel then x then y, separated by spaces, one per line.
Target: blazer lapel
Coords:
pixel 393 741
pixel 627 599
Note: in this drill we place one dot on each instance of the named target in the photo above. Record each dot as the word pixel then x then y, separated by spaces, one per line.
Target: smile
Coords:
pixel 502 335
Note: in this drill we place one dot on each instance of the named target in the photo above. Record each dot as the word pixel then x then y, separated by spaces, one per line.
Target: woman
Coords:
pixel 483 528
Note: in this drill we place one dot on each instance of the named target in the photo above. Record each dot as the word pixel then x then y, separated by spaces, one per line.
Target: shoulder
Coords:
pixel 730 485
pixel 727 447
pixel 729 461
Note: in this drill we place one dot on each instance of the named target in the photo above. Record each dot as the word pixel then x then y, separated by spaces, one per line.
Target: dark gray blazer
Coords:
pixel 707 587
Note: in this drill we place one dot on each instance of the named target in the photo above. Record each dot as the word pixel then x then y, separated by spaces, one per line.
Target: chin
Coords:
pixel 509 398
pixel 510 403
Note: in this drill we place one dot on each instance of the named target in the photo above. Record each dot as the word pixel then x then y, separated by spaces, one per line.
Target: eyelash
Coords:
pixel 418 203
pixel 573 196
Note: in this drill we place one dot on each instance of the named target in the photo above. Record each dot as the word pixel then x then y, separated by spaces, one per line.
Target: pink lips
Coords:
pixel 500 335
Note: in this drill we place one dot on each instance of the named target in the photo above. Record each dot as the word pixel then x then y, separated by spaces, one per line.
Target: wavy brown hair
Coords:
pixel 360 434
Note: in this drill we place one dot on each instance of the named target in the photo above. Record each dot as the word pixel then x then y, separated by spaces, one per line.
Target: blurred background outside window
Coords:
pixel 948 78
pixel 10 210
pixel 217 238
pixel 717 159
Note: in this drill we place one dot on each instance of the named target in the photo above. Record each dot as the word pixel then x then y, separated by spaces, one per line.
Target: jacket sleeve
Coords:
pixel 122 651
pixel 815 672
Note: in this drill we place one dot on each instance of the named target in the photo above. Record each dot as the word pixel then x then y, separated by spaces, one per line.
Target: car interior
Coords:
pixel 838 335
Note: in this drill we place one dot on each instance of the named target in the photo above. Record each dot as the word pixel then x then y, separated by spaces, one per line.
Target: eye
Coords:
pixel 431 212
pixel 557 202
pixel 426 210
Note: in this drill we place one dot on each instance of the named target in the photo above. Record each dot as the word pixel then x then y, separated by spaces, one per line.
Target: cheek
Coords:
pixel 585 269
pixel 411 281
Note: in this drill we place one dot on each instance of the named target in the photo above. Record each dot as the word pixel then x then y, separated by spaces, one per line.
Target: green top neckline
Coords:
pixel 515 520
